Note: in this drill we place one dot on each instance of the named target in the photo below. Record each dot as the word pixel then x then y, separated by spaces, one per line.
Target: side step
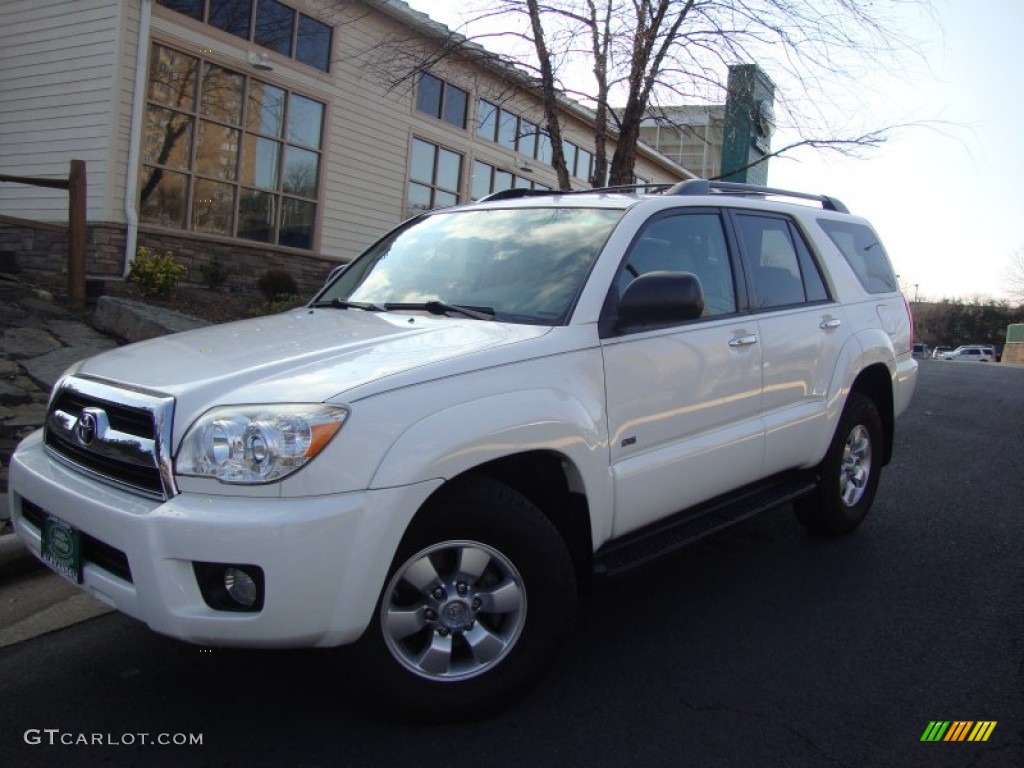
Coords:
pixel 672 534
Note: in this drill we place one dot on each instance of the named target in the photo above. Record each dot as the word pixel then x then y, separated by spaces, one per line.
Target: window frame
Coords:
pixel 890 279
pixel 608 322
pixel 516 181
pixel 442 101
pixel 433 186
pixel 800 248
pixel 297 15
pixel 247 135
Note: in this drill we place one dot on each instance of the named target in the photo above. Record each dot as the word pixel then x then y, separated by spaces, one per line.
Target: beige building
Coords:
pixel 269 133
pixel 691 136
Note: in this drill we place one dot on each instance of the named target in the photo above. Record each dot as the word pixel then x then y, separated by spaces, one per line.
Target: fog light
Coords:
pixel 240 586
pixel 236 587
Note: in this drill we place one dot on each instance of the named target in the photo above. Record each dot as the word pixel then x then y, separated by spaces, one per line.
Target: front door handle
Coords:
pixel 743 341
pixel 831 323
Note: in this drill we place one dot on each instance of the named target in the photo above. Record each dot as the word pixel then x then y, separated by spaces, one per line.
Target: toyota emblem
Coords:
pixel 90 425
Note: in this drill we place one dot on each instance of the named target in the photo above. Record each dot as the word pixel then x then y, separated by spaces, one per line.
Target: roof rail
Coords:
pixel 512 194
pixel 706 187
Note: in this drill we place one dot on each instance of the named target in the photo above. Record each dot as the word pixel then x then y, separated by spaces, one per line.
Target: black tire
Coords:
pixel 493 627
pixel 849 472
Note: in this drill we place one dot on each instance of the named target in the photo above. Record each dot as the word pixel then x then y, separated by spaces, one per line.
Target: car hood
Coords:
pixel 308 355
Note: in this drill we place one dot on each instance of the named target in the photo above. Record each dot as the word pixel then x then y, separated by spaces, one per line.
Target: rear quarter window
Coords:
pixel 864 253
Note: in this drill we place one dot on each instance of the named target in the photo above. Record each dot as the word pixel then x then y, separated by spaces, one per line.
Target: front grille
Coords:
pixel 141 477
pixel 115 435
pixel 92 550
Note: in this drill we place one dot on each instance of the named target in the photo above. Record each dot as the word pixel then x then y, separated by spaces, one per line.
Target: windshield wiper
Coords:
pixel 369 306
pixel 442 308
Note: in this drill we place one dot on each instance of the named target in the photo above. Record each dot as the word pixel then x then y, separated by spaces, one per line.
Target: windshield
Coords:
pixel 520 264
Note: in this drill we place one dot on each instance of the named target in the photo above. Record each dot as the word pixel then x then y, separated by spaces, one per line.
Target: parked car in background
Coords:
pixel 972 352
pixel 921 350
pixel 940 350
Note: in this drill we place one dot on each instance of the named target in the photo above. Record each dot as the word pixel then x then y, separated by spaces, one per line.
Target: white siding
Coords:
pixel 57 64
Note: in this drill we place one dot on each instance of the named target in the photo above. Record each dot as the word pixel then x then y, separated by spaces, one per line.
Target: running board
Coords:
pixel 672 534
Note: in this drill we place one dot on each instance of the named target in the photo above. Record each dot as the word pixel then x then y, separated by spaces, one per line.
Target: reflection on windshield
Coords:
pixel 526 264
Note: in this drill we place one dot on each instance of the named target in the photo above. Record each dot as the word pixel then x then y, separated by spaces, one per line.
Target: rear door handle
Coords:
pixel 832 323
pixel 743 341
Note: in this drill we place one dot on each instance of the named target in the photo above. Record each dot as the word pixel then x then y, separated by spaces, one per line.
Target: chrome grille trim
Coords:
pixel 127 446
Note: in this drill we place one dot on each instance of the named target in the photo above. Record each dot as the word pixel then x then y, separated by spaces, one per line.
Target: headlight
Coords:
pixel 257 443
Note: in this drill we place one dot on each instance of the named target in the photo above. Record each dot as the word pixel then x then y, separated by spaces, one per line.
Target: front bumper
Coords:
pixel 324 558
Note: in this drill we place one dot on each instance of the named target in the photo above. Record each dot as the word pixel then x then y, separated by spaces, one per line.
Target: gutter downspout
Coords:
pixel 138 106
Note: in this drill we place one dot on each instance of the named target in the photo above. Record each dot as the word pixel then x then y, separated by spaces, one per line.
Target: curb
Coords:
pixel 15 559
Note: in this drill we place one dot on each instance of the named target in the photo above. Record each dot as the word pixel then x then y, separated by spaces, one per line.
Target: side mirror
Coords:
pixel 661 298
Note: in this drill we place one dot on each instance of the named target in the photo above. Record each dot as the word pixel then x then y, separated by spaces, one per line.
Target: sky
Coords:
pixel 946 195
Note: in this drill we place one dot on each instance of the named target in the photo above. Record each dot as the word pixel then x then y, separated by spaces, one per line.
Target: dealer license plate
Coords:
pixel 61 549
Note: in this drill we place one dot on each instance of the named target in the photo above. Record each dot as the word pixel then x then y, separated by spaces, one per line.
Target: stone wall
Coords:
pixel 43 246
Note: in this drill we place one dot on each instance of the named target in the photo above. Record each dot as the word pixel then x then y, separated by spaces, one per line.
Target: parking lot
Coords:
pixel 764 646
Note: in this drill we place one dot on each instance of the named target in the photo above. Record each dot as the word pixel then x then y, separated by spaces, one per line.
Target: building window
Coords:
pixel 508 129
pixel 227 154
pixel 514 132
pixel 435 174
pixel 544 151
pixel 270 23
pixel 584 163
pixel 486 120
pixel 527 141
pixel 442 100
pixel 487 179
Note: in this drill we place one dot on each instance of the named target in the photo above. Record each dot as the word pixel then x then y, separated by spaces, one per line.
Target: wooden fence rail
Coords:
pixel 75 185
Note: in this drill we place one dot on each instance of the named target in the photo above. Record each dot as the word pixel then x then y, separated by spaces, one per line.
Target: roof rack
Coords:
pixel 706 187
pixel 512 194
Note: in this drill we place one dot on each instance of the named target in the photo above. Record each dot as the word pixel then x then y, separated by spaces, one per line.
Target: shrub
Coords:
pixel 156 274
pixel 214 273
pixel 282 303
pixel 277 283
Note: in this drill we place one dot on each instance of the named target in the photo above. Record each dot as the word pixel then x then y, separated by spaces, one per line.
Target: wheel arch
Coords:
pixel 551 482
pixel 875 382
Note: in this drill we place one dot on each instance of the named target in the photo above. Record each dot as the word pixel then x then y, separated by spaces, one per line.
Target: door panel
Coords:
pixel 683 402
pixel 684 417
pixel 802 332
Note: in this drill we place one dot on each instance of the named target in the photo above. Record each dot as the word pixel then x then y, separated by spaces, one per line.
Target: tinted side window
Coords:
pixel 772 262
pixel 689 242
pixel 864 253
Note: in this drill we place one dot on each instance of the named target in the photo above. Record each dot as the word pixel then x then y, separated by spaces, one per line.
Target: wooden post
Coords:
pixel 76 235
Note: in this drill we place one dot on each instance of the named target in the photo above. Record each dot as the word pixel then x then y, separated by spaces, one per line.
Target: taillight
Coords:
pixel 910 317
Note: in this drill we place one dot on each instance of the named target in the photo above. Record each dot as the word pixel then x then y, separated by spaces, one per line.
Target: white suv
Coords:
pixel 976 353
pixel 492 405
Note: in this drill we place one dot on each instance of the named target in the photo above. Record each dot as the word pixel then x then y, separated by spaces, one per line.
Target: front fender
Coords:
pixel 460 437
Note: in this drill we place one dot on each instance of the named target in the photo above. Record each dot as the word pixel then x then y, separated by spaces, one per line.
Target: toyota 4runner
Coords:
pixel 493 404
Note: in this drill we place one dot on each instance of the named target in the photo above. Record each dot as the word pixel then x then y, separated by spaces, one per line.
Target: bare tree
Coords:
pixel 1014 276
pixel 650 53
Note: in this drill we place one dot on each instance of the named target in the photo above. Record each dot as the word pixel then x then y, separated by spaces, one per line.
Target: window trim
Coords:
pixel 493 171
pixel 433 185
pixel 192 174
pixel 608 319
pixel 797 236
pixel 205 27
pixel 442 102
